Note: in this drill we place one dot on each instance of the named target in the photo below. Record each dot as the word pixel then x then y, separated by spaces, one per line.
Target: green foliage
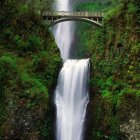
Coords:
pixel 45 66
pixel 29 64
pixel 8 67
pixel 34 44
pixel 34 91
pixel 8 71
pixel 113 12
pixel 132 8
pixel 97 6
pixel 23 9
pixel 109 63
pixel 88 33
pixel 130 90
pixel 18 43
pixel 114 52
pixel 40 6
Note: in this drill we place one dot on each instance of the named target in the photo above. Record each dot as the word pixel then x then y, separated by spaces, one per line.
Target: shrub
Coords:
pixel 46 67
pixel 7 36
pixel 34 43
pixel 34 91
pixel 8 67
pixel 17 40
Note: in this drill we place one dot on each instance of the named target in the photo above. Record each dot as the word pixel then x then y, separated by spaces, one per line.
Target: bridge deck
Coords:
pixel 73 14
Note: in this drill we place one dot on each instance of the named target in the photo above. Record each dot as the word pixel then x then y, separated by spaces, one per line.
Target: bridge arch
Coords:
pixel 96 23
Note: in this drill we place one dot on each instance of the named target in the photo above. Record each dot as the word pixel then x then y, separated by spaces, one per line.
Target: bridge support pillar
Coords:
pixel 97 20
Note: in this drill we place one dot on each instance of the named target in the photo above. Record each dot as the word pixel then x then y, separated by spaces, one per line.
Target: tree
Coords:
pixel 40 5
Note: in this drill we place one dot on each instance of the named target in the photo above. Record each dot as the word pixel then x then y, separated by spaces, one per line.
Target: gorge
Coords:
pixel 51 90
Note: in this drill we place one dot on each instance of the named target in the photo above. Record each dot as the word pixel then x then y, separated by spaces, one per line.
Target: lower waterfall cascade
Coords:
pixel 71 98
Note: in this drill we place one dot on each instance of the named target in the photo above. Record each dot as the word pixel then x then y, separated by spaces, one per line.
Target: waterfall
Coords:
pixel 71 95
pixel 64 32
pixel 71 99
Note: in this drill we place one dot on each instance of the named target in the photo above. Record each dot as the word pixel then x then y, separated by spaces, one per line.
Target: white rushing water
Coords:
pixel 71 95
pixel 71 99
pixel 64 32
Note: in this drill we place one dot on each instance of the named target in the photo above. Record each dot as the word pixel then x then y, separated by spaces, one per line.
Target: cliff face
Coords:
pixel 113 111
pixel 29 65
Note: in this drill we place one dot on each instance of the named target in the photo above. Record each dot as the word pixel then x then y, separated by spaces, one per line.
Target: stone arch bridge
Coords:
pixel 95 18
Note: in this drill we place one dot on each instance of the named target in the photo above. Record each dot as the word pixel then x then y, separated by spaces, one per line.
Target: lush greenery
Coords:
pixel 30 61
pixel 29 64
pixel 115 69
pixel 85 44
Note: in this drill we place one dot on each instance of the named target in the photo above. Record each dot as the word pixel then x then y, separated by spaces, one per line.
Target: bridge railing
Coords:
pixel 73 14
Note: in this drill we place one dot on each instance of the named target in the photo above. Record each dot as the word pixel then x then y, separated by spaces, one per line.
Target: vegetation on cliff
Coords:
pixel 115 69
pixel 29 64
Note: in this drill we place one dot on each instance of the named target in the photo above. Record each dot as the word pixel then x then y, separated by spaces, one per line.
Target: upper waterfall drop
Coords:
pixel 64 32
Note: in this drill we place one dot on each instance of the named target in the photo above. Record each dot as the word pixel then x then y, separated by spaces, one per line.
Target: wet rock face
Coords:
pixel 23 123
pixel 129 116
pixel 119 121
pixel 131 129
